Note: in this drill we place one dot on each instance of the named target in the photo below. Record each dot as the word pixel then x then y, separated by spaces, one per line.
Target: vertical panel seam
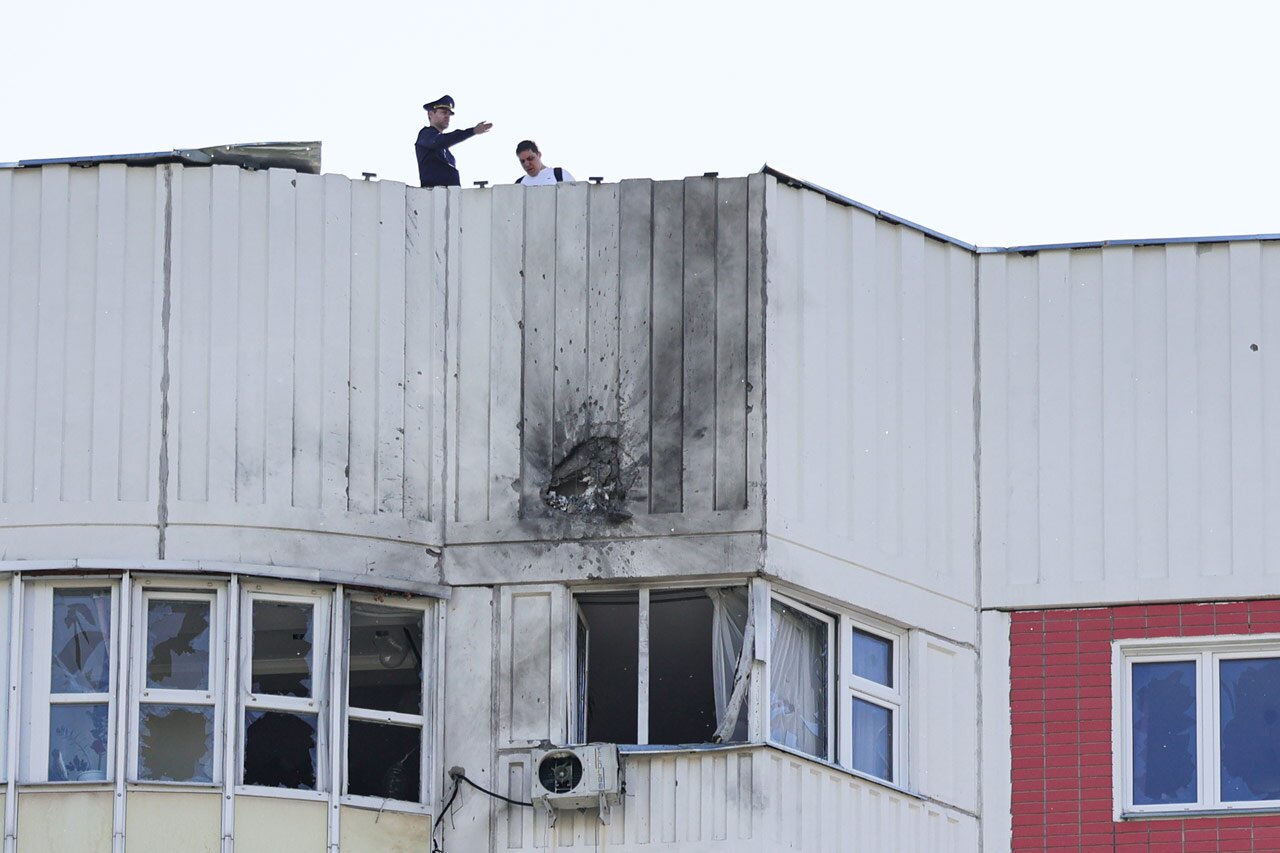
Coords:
pixel 162 496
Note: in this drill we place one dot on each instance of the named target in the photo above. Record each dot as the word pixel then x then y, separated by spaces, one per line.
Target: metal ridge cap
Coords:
pixel 800 183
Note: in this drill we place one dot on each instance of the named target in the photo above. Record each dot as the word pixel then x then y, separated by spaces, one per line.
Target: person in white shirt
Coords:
pixel 536 174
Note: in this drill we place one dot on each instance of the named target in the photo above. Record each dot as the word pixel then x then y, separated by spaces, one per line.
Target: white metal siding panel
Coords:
pixel 1126 447
pixel 81 278
pixel 301 403
pixel 533 662
pixel 943 741
pixel 755 800
pixel 870 384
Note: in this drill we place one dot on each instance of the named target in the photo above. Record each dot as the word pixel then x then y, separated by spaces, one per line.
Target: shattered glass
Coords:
pixel 78 737
pixel 280 749
pixel 1164 732
pixel 81 641
pixel 282 648
pixel 175 743
pixel 178 645
pixel 385 659
pixel 1249 693
pixel 384 761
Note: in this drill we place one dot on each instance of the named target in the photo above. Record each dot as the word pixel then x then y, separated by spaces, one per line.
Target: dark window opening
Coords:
pixel 384 761
pixel 280 750
pixel 682 702
pixel 613 627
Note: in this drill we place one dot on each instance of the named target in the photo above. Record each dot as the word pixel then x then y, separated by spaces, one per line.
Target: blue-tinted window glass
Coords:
pixel 178 645
pixel 78 740
pixel 873 739
pixel 81 641
pixel 873 658
pixel 1164 732
pixel 1249 693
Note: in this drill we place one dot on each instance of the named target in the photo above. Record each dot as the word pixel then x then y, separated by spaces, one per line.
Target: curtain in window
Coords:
pixel 731 655
pixel 798 680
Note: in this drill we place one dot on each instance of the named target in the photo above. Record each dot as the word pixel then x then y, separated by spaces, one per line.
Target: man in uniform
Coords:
pixel 536 174
pixel 436 166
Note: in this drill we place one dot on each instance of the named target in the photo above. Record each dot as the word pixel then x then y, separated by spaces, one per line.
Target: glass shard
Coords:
pixel 280 750
pixel 282 648
pixel 1250 719
pixel 384 761
pixel 175 743
pixel 178 645
pixel 1164 732
pixel 81 641
pixel 385 658
pixel 78 738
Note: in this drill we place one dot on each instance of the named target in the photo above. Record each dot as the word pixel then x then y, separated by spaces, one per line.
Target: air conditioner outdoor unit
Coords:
pixel 577 777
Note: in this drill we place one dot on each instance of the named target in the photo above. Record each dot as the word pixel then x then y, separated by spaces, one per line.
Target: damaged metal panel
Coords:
pixel 81 282
pixel 307 334
pixel 1130 448
pixel 637 311
pixel 871 410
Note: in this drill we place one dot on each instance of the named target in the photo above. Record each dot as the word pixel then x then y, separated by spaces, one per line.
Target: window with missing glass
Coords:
pixel 660 666
pixel 1199 724
pixel 178 685
pixel 387 701
pixel 69 709
pixel 283 689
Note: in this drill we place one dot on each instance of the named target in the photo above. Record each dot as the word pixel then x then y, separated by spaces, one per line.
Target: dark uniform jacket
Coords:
pixel 436 166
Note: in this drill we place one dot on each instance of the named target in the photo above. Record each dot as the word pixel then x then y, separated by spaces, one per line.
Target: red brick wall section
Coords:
pixel 1060 700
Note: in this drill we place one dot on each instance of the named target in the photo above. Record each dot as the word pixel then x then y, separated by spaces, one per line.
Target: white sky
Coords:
pixel 1000 122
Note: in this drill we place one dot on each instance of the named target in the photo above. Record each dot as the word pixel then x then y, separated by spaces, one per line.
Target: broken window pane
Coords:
pixel 78 738
pixel 613 649
pixel 175 743
pixel 873 739
pixel 384 761
pixel 1250 700
pixel 1164 732
pixel 282 640
pixel 385 659
pixel 798 680
pixel 81 641
pixel 872 658
pixel 682 704
pixel 280 750
pixel 178 645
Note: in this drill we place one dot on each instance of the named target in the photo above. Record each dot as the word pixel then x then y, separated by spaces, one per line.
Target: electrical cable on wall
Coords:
pixel 458 775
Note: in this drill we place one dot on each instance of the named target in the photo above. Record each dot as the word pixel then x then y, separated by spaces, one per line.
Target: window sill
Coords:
pixel 1192 813
pixel 175 787
pixel 379 805
pixel 282 793
pixel 52 787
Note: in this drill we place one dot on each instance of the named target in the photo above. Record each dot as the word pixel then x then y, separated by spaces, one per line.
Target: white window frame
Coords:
pixel 37 662
pixel 1207 653
pixel 146 589
pixel 642 662
pixel 321 599
pixel 425 721
pixel 833 720
pixel 893 699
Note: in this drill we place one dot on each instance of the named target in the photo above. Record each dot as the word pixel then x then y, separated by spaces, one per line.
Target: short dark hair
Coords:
pixel 527 145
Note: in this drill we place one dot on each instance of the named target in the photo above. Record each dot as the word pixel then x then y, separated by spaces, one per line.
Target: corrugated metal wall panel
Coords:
pixel 81 279
pixel 308 322
pixel 870 383
pixel 633 306
pixel 1129 448
pixel 754 800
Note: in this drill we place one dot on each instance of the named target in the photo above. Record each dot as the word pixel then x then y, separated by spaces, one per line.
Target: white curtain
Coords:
pixel 731 655
pixel 798 680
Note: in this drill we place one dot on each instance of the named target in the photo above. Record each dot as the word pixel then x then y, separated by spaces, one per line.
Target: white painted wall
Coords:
pixel 1129 412
pixel 870 416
